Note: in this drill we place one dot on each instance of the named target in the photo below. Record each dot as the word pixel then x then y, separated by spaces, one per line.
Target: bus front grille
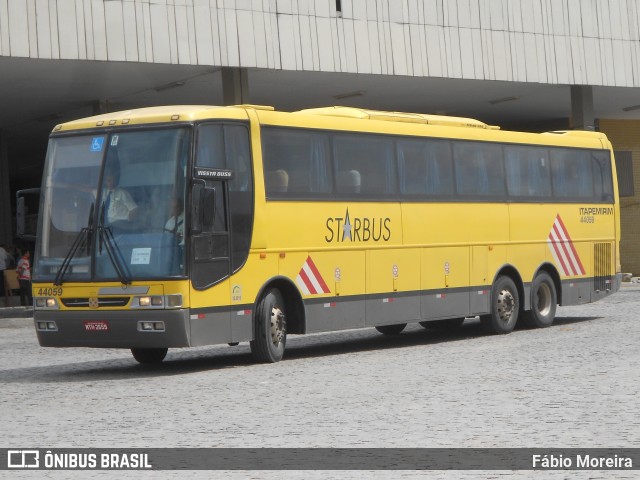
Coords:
pixel 602 267
pixel 102 302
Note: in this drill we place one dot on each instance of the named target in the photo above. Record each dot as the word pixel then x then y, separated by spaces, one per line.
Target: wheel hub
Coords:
pixel 506 305
pixel 277 325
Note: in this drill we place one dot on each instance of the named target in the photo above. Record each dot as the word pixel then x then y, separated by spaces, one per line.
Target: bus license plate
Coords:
pixel 96 326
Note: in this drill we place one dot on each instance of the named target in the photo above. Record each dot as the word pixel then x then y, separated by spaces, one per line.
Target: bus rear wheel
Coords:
pixel 391 329
pixel 543 302
pixel 149 355
pixel 505 305
pixel 270 327
pixel 447 324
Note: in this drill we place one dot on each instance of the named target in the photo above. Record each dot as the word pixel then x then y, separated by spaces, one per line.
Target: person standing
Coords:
pixel 4 263
pixel 24 277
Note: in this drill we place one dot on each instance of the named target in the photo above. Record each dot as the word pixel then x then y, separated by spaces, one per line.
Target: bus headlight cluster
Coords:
pixel 45 302
pixel 157 301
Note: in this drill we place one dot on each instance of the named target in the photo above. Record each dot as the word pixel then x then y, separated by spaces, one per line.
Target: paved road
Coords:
pixel 576 384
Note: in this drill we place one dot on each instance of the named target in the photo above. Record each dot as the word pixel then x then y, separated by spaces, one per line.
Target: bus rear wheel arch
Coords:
pixel 270 326
pixel 504 307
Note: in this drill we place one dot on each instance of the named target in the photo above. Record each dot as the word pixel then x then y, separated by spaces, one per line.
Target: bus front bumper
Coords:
pixel 113 329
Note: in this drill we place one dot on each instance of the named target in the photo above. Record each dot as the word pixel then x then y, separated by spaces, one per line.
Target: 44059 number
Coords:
pixel 49 292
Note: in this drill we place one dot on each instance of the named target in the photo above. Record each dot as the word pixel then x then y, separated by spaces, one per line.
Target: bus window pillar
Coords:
pixel 6 222
pixel 582 117
pixel 235 86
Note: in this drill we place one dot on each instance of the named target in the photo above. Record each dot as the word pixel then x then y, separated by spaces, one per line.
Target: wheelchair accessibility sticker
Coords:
pixel 96 144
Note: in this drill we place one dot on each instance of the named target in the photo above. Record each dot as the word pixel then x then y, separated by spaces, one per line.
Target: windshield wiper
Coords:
pixel 105 237
pixel 83 239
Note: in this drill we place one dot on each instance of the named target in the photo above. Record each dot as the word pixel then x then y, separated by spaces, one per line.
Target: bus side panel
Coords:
pixel 332 287
pixel 445 282
pixel 209 319
pixel 393 281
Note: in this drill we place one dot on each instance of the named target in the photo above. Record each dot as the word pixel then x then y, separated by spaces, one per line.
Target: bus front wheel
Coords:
pixel 505 306
pixel 149 355
pixel 270 328
pixel 543 302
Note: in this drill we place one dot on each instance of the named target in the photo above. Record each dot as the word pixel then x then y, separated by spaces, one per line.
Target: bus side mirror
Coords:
pixel 21 213
pixel 202 207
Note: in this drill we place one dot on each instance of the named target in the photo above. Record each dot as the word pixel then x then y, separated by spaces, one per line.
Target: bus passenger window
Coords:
pixel 296 163
pixel 572 174
pixel 528 172
pixel 424 167
pixel 602 179
pixel 479 170
pixel 369 156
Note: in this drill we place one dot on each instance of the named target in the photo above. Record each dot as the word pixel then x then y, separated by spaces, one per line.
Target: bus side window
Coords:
pixel 372 157
pixel 572 174
pixel 424 167
pixel 479 169
pixel 296 163
pixel 602 178
pixel 527 170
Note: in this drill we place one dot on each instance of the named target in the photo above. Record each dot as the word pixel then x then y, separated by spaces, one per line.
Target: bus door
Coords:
pixel 222 200
pixel 223 173
pixel 211 243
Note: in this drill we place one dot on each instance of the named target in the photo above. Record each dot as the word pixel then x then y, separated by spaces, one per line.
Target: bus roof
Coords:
pixel 365 114
pixel 188 113
pixel 162 114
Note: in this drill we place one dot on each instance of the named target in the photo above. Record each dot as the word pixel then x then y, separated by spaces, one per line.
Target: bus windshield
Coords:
pixel 113 207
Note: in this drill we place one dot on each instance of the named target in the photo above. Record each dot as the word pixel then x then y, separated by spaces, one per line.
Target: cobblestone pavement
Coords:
pixel 576 384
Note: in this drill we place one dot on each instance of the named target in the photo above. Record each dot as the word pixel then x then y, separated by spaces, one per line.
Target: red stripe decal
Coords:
pixel 308 282
pixel 316 273
pixel 573 248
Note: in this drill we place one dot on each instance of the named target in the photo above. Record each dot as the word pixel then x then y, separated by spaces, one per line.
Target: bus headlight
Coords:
pixel 173 301
pixel 157 301
pixel 45 302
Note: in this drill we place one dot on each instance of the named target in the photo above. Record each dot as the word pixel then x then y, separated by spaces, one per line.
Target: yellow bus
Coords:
pixel 186 226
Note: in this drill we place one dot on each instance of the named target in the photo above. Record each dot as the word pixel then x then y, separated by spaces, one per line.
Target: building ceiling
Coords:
pixel 35 95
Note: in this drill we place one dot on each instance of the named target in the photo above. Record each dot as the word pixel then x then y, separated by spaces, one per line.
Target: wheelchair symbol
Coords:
pixel 96 144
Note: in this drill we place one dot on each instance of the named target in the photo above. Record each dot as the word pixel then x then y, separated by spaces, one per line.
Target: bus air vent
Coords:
pixel 602 267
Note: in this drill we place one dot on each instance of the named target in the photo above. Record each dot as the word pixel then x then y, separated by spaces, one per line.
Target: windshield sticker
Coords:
pixel 114 140
pixel 96 144
pixel 140 256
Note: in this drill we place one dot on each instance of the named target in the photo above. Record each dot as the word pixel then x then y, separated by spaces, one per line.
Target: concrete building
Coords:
pixel 526 64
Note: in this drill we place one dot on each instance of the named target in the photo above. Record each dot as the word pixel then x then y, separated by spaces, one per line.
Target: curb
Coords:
pixel 16 312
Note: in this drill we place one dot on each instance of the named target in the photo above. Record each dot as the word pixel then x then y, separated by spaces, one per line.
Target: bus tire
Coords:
pixel 505 306
pixel 544 300
pixel 391 329
pixel 149 355
pixel 270 328
pixel 447 324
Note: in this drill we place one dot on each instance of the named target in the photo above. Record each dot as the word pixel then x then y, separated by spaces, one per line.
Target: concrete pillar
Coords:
pixel 6 219
pixel 235 86
pixel 582 108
